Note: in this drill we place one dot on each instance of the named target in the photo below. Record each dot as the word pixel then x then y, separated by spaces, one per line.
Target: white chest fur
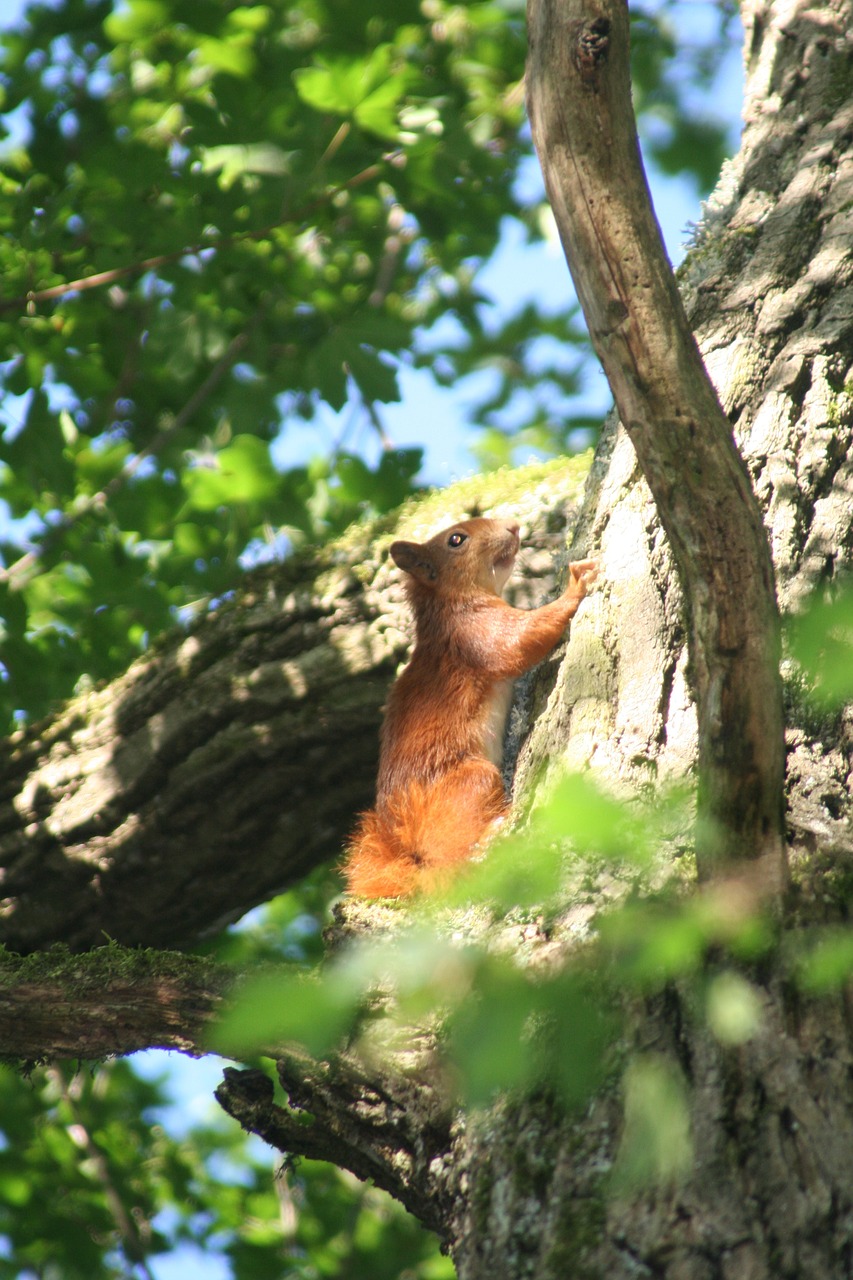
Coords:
pixel 497 712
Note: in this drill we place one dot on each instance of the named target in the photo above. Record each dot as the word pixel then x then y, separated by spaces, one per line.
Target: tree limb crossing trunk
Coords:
pixel 578 87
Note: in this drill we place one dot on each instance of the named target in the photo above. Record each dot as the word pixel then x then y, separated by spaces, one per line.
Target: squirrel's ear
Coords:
pixel 414 559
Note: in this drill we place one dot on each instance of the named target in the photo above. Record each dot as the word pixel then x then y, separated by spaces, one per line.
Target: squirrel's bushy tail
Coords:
pixel 415 835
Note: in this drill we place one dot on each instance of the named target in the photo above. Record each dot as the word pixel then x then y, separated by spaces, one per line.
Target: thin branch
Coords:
pixel 100 279
pixel 182 417
pixel 377 423
pixel 133 1245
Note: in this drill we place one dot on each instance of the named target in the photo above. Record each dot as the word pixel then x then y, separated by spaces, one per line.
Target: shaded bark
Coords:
pixel 768 1193
pixel 527 1189
pixel 232 760
pixel 171 801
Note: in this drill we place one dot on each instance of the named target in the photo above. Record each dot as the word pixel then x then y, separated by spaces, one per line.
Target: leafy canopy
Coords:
pixel 219 220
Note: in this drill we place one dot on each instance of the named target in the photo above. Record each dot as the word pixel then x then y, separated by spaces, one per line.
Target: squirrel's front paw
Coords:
pixel 582 574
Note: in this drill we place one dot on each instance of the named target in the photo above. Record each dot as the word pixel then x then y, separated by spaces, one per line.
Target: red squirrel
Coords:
pixel 439 791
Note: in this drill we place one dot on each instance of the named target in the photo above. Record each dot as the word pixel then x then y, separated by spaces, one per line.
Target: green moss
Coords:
pixel 840 83
pixel 482 1196
pixel 580 1226
pixel 472 496
pixel 821 888
pixel 93 970
pixel 803 710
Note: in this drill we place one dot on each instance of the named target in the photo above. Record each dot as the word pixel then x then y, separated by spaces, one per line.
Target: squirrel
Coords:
pixel 439 791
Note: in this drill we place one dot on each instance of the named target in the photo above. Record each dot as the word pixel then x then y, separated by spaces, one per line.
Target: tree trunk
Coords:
pixel 767 288
pixel 579 98
pixel 524 1189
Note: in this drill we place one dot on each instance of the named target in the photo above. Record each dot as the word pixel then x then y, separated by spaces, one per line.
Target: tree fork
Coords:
pixel 229 761
pixel 579 102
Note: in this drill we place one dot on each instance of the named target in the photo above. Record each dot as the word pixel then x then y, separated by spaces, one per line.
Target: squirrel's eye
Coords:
pixel 456 539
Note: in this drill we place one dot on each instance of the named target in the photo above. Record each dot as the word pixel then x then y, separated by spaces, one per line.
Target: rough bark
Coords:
pixel 579 99
pixel 768 289
pixel 768 1193
pixel 231 761
pixel 389 1126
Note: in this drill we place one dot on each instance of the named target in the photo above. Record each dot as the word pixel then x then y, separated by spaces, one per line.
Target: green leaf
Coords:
pixel 340 85
pixel 734 1008
pixel 136 20
pixel 490 1036
pixel 826 962
pixel 596 822
pixel 656 1147
pixel 230 56
pixel 380 490
pixel 821 641
pixel 378 112
pixel 274 1009
pixel 242 472
pixel 233 162
pixel 249 17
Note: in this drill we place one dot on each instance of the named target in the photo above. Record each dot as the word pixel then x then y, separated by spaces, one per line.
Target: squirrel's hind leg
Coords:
pixel 418 835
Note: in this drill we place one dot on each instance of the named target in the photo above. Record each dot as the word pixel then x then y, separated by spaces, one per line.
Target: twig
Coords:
pixel 102 278
pixel 131 1238
pixel 377 423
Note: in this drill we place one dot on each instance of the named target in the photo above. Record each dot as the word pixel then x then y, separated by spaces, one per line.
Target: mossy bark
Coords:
pixel 113 1000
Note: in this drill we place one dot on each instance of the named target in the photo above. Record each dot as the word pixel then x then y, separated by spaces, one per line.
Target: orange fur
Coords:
pixel 422 832
pixel 439 790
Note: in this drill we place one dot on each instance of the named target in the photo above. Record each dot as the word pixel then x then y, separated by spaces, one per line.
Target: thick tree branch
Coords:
pixel 583 128
pixel 213 773
pixel 108 1002
pixel 232 760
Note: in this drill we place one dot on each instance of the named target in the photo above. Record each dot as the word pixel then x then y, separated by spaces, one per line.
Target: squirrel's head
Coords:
pixel 474 555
